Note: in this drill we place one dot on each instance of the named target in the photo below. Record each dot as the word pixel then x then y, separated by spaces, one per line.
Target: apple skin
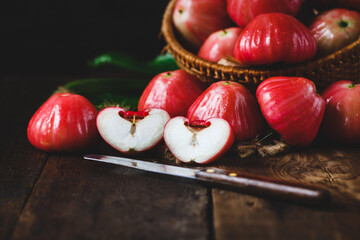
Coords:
pixel 341 121
pixel 173 91
pixel 243 11
pixel 335 29
pixel 232 102
pixel 220 44
pixel 66 122
pixel 274 37
pixel 292 108
pixel 195 20
pixel 115 126
pixel 203 142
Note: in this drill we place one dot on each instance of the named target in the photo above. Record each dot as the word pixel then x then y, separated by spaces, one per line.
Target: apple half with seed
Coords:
pixel 199 141
pixel 129 131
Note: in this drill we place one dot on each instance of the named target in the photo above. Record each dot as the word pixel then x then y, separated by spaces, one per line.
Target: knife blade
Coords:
pixel 246 183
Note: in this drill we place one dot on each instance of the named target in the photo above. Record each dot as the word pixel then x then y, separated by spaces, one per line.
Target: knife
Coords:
pixel 246 183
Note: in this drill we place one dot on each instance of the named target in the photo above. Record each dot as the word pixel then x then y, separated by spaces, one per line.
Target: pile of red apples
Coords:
pixel 266 32
pixel 199 122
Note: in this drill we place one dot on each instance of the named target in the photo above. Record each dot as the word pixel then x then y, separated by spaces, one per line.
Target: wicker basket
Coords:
pixel 343 64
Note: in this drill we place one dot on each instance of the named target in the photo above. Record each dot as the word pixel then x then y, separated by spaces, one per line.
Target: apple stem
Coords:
pixel 343 24
pixel 223 33
pixel 168 74
pixel 62 89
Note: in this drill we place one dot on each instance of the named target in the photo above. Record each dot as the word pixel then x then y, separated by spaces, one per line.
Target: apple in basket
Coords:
pixel 274 37
pixel 172 91
pixel 335 29
pixel 341 121
pixel 131 132
pixel 198 141
pixel 243 11
pixel 292 107
pixel 220 44
pixel 195 20
pixel 234 103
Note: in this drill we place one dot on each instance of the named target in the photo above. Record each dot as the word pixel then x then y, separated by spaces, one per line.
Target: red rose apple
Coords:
pixel 172 91
pixel 335 29
pixel 195 20
pixel 131 132
pixel 274 37
pixel 65 122
pixel 341 121
pixel 292 107
pixel 243 11
pixel 232 102
pixel 220 44
pixel 200 142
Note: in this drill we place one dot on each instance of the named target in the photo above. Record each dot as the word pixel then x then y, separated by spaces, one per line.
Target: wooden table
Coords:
pixel 62 196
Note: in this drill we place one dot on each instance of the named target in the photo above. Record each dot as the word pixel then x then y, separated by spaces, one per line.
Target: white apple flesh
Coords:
pixel 130 133
pixel 200 144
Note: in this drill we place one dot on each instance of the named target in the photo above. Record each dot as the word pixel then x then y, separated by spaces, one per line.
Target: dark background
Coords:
pixel 59 37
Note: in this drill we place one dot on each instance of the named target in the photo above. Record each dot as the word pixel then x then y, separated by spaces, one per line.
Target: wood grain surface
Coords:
pixel 62 196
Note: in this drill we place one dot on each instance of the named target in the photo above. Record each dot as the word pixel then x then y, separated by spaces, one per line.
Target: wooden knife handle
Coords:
pixel 266 187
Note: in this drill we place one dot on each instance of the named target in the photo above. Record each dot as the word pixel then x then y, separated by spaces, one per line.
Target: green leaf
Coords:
pixel 103 92
pixel 161 63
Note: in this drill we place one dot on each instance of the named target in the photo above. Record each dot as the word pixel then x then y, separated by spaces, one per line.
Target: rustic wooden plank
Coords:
pixel 249 217
pixel 20 163
pixel 336 168
pixel 20 167
pixel 79 199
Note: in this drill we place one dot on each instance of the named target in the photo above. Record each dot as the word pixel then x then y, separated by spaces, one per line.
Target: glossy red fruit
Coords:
pixel 232 102
pixel 274 37
pixel 66 122
pixel 172 91
pixel 341 121
pixel 195 20
pixel 292 107
pixel 243 11
pixel 220 44
pixel 335 29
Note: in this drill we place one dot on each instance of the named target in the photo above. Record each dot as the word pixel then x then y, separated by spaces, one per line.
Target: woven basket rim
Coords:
pixel 168 31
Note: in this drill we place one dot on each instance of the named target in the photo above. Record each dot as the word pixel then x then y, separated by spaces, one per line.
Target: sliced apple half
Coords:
pixel 131 132
pixel 199 141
